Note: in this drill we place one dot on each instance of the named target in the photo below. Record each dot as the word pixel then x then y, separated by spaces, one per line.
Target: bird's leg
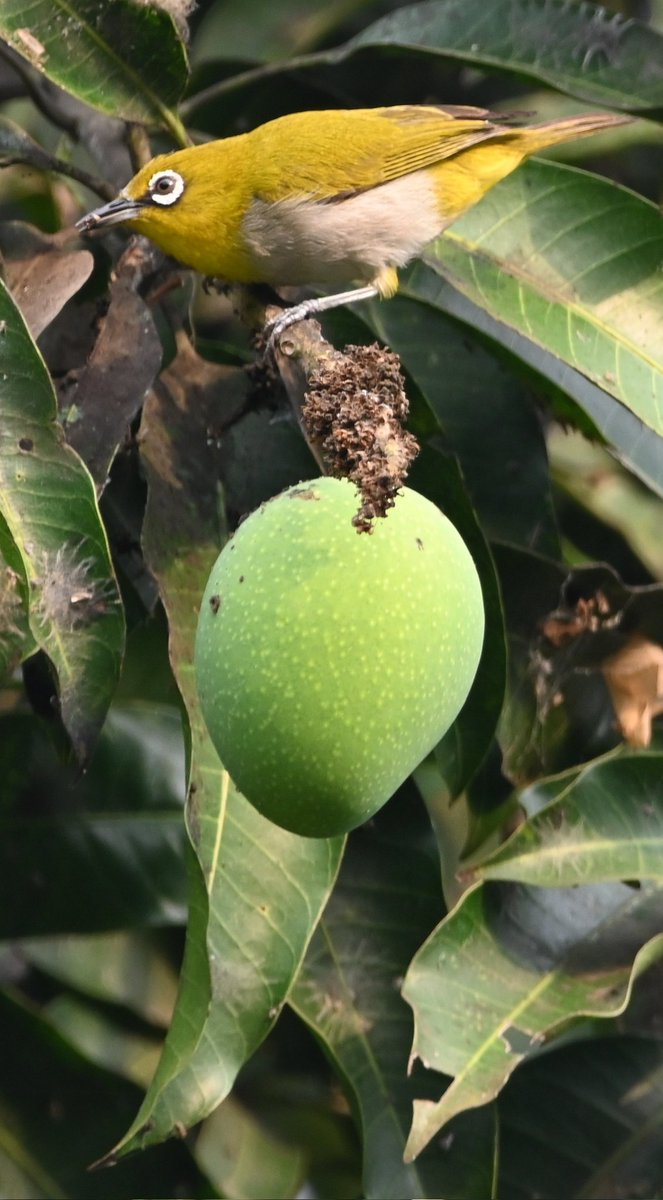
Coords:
pixel 309 308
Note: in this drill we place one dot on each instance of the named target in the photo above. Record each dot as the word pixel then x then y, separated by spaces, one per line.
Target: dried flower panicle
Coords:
pixel 355 411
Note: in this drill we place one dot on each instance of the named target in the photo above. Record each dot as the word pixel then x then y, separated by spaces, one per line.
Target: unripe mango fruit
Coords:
pixel 329 663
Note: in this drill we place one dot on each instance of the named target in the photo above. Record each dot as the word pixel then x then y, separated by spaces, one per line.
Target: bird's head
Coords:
pixel 187 202
pixel 149 201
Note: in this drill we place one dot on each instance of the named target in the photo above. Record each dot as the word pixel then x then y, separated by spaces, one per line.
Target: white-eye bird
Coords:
pixel 335 198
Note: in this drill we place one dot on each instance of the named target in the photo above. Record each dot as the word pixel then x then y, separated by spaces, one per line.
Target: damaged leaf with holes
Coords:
pixel 58 543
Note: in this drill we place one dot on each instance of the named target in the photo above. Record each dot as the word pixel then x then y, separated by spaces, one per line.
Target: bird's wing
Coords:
pixel 340 153
pixel 428 135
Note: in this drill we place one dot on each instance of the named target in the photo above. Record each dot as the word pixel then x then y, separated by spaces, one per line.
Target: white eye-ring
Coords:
pixel 165 187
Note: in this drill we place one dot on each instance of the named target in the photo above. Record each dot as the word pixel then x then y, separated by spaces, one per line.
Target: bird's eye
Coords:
pixel 165 187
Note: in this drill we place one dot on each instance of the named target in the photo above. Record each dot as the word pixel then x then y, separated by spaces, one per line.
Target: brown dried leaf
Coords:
pixel 100 401
pixel 634 676
pixel 41 273
pixel 180 440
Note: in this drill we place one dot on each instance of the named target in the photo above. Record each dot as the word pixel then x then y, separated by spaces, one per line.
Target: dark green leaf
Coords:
pixel 260 457
pixel 585 1121
pixel 125 59
pixel 248 930
pixel 219 104
pixel 606 498
pixel 581 49
pixel 508 967
pixel 274 31
pixel 101 852
pixel 642 1018
pixel 58 1117
pixel 607 823
pixel 48 502
pixel 451 819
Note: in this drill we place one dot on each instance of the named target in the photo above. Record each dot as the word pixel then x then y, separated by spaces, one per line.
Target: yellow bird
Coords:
pixel 329 198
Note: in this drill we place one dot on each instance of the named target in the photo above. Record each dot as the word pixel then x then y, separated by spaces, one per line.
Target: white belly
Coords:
pixel 301 240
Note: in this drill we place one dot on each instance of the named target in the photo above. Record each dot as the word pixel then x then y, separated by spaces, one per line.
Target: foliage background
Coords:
pixel 130 443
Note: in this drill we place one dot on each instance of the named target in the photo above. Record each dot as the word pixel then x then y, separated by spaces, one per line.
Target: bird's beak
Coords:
pixel 120 209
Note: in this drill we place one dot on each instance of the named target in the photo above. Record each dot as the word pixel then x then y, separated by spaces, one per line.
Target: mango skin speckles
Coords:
pixel 329 663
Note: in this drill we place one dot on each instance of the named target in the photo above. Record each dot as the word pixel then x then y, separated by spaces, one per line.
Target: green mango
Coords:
pixel 329 663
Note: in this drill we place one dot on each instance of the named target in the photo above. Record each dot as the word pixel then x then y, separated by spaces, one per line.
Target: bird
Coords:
pixel 338 198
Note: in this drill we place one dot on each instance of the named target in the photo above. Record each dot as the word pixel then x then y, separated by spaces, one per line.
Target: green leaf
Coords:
pixel 100 852
pixel 22 1177
pixel 263 891
pixel 384 902
pixel 256 891
pixel 452 821
pixel 16 641
pixel 260 457
pixel 48 502
pixel 573 263
pixel 584 1120
pixel 581 49
pixel 125 59
pixel 124 967
pixel 601 487
pixel 243 1159
pixel 643 1015
pixel 104 1039
pixel 637 446
pixel 510 966
pixel 607 823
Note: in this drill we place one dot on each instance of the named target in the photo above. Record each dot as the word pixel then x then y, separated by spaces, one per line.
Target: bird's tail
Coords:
pixel 549 133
